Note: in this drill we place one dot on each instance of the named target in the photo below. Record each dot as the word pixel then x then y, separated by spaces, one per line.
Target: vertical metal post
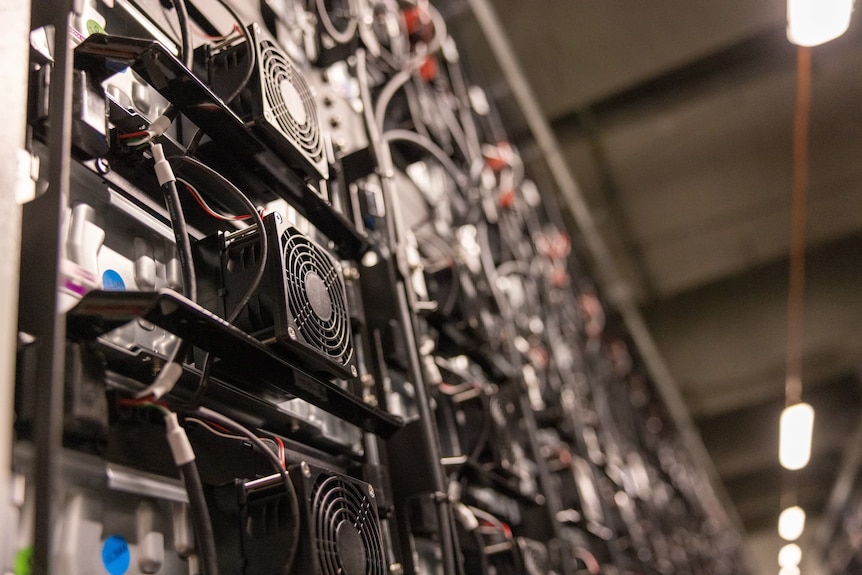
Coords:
pixel 405 298
pixel 40 259
pixel 14 45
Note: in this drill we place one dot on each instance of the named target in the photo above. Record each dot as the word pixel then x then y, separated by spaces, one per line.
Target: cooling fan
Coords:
pixel 301 304
pixel 340 525
pixel 534 557
pixel 284 109
pixel 334 34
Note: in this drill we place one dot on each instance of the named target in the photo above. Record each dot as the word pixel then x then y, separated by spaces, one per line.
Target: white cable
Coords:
pixel 168 377
pixel 164 173
pixel 181 449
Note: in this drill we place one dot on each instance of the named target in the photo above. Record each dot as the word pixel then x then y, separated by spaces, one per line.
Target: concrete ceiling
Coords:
pixel 676 118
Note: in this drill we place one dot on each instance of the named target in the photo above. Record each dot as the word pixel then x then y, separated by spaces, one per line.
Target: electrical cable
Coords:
pixel 293 500
pixel 339 36
pixel 181 234
pixel 798 215
pixel 200 517
pixel 184 458
pixel 252 54
pixel 163 122
pixel 387 93
pixel 173 369
pixel 193 191
pixel 188 54
pixel 277 443
pixel 192 147
pixel 264 247
pixel 429 146
pixel 484 432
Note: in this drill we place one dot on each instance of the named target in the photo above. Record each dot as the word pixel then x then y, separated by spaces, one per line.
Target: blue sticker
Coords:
pixel 115 555
pixel 113 281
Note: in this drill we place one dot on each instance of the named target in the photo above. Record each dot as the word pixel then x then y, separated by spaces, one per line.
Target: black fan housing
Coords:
pixel 335 32
pixel 301 305
pixel 340 527
pixel 284 110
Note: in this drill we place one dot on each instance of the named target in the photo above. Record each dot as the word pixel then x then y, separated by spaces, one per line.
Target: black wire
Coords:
pixel 252 57
pixel 181 233
pixel 188 52
pixel 398 135
pixel 200 517
pixel 252 51
pixel 184 253
pixel 290 490
pixel 252 209
pixel 264 247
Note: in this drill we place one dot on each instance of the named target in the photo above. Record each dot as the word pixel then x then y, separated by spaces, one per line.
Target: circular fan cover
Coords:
pixel 535 559
pixel 289 100
pixel 315 297
pixel 346 534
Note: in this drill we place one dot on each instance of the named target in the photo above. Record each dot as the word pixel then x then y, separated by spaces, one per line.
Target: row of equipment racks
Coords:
pixel 289 303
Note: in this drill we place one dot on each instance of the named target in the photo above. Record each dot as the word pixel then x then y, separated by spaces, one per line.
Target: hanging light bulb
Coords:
pixel 791 523
pixel 797 426
pixel 814 22
pixel 790 555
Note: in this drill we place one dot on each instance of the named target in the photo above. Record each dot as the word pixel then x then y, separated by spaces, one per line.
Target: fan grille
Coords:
pixel 346 533
pixel 315 297
pixel 289 103
pixel 535 557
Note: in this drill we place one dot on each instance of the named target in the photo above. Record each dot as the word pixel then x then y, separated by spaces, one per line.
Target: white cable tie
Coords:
pixel 159 126
pixel 164 173
pixel 181 448
pixel 168 377
pixel 466 517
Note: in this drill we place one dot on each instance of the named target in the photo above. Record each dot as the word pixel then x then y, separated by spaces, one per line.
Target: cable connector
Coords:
pixel 164 172
pixel 161 124
pixel 168 377
pixel 181 449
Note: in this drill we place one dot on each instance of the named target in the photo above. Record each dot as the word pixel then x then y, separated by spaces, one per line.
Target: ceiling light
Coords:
pixel 797 425
pixel 814 22
pixel 791 523
pixel 789 570
pixel 790 555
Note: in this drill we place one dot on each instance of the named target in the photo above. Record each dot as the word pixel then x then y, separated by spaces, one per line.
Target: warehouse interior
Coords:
pixel 675 120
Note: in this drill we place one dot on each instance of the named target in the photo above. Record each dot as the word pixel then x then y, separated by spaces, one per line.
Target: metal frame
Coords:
pixel 14 174
pixel 40 256
pixel 603 261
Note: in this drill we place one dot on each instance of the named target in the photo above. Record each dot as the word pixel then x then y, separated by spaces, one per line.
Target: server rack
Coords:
pixel 391 360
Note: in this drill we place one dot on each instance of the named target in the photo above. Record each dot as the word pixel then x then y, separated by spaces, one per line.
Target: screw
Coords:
pixel 102 166
pixel 353 370
pixel 306 470
pixel 370 491
pixel 291 333
pixel 278 217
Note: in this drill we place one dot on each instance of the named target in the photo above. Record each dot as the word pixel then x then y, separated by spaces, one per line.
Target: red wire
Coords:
pixel 142 401
pixel 200 201
pixel 201 34
pixel 134 135
pixel 281 451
